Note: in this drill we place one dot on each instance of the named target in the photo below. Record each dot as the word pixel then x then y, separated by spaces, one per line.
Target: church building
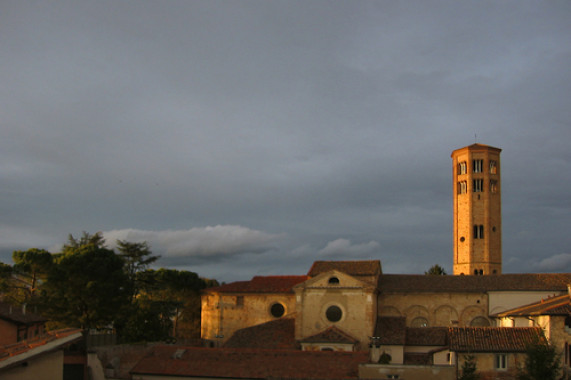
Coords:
pixel 354 306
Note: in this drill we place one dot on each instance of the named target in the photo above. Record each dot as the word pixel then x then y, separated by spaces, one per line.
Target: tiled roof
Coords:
pixel 426 336
pixel 250 363
pixel 11 351
pixel 390 331
pixel 560 305
pixel 493 339
pixel 352 268
pixel 261 284
pixel 278 334
pixel 331 335
pixel 17 315
pixel 505 282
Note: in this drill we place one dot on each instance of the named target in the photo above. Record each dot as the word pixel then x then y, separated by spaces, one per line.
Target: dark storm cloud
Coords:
pixel 324 127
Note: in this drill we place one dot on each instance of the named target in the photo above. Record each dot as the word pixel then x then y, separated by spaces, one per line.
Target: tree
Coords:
pixel 137 257
pixel 541 363
pixel 86 287
pixel 34 264
pixel 436 270
pixel 469 368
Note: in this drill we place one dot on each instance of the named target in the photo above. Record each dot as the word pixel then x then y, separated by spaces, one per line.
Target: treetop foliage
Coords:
pixel 436 270
pixel 90 286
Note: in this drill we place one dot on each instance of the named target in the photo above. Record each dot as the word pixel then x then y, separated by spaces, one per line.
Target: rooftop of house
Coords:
pixel 427 336
pixel 390 331
pixel 13 354
pixel 331 335
pixel 397 283
pixel 352 268
pixel 278 334
pixel 493 339
pixel 559 305
pixel 250 363
pixel 19 314
pixel 260 284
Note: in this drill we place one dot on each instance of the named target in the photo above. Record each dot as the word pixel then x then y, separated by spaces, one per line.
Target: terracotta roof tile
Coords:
pixel 27 345
pixel 390 331
pixel 493 339
pixel 505 282
pixel 331 335
pixel 278 334
pixel 250 363
pixel 560 305
pixel 261 284
pixel 427 336
pixel 352 268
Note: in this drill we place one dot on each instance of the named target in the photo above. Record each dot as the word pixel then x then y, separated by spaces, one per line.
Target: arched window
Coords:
pixel 419 322
pixel 333 281
pixel 480 322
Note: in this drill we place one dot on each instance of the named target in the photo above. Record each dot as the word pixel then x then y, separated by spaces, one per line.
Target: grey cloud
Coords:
pixel 211 241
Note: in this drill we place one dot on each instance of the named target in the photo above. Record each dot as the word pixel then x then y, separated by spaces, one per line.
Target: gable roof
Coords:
pixel 427 336
pixel 493 339
pixel 17 315
pixel 352 268
pixel 250 363
pixel 260 284
pixel 390 331
pixel 331 335
pixel 15 354
pixel 278 334
pixel 505 282
pixel 559 305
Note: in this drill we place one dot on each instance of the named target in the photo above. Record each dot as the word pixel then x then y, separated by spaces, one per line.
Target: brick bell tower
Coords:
pixel 477 210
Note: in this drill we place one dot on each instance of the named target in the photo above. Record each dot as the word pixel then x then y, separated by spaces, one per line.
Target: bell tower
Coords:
pixel 477 210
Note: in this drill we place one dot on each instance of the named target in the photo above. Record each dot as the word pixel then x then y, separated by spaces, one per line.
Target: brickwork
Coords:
pixel 477 210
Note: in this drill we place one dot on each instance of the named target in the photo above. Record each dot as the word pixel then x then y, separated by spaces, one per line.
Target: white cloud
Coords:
pixel 556 263
pixel 227 240
pixel 344 247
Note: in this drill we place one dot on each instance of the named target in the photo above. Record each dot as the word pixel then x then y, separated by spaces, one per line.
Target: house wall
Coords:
pixel 239 311
pixel 485 365
pixel 502 301
pixel 37 368
pixel 8 333
pixel 440 309
pixel 382 371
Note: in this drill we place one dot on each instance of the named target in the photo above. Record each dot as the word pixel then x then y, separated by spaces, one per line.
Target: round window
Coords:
pixel 277 310
pixel 333 313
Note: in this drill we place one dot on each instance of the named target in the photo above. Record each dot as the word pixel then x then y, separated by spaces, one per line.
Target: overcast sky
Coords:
pixel 243 138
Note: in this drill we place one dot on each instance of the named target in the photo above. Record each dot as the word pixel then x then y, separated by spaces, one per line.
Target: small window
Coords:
pixel 334 313
pixel 462 167
pixel 462 187
pixel 493 186
pixel 478 185
pixel 478 231
pixel 240 301
pixel 501 362
pixel 477 166
pixel 334 281
pixel 493 167
pixel 277 310
pixel 419 322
